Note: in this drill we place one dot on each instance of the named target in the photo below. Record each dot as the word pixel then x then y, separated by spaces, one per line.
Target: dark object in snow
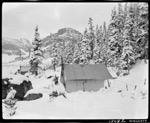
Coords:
pixel 49 77
pixel 120 91
pixel 127 87
pixel 56 80
pixel 5 87
pixel 33 96
pixel 125 74
pixel 21 89
pixel 145 82
pixel 135 87
pixel 125 68
pixel 118 73
pixel 55 94
pixel 143 94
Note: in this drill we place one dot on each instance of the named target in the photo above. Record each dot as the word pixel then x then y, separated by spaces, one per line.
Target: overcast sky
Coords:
pixel 19 19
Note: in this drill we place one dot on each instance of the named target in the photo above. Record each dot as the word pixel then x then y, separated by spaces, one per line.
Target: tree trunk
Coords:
pixel 54 67
pixel 36 73
pixel 127 65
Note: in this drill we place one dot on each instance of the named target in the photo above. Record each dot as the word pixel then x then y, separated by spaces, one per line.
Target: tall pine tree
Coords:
pixel 143 30
pixel 91 36
pixel 36 53
pixel 113 43
pixel 128 53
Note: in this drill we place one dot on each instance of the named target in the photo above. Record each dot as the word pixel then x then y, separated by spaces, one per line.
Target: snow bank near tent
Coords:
pixel 40 82
pixel 44 85
pixel 83 105
pixel 138 75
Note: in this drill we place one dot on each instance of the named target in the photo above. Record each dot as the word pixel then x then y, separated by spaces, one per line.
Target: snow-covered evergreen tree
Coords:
pixel 113 44
pixel 77 53
pixel 120 26
pixel 91 36
pixel 97 47
pixel 104 31
pixel 136 29
pixel 85 34
pixel 142 41
pixel 128 53
pixel 56 54
pixel 104 53
pixel 128 35
pixel 100 43
pixel 70 52
pixel 36 53
pixel 86 51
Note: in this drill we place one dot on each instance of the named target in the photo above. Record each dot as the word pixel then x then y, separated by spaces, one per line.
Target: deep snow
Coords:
pixel 88 105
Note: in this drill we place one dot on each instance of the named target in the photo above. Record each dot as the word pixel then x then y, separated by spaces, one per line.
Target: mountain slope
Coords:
pixel 14 46
pixel 64 34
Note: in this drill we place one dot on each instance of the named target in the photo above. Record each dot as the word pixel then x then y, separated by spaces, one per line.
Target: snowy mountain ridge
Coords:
pixel 14 46
pixel 63 34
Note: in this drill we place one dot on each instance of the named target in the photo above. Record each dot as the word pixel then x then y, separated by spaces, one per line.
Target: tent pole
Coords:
pixel 83 87
pixel 108 83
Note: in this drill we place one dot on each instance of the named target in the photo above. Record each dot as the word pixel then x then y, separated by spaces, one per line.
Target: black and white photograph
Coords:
pixel 75 60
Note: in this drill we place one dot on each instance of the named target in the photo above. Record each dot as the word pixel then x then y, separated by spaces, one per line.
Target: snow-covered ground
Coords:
pixel 7 58
pixel 138 75
pixel 88 105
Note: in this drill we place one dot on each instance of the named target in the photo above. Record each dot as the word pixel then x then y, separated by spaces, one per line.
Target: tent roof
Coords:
pixel 24 68
pixel 86 72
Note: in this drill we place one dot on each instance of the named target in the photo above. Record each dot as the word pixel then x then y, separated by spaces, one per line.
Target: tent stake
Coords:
pixel 127 87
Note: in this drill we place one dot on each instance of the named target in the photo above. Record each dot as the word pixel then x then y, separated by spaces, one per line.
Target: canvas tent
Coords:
pixel 89 77
pixel 24 69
